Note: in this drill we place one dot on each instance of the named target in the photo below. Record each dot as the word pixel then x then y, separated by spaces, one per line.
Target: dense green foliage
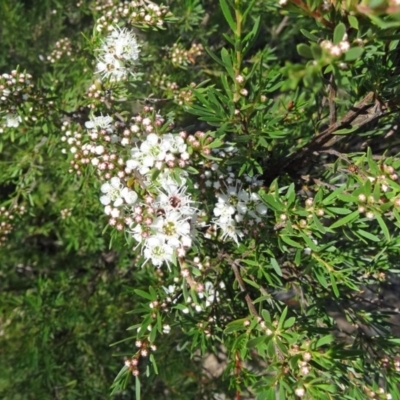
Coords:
pixel 272 131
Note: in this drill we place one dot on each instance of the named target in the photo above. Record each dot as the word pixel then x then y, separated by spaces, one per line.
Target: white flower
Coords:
pixel 157 251
pixel 229 230
pixel 115 192
pixel 223 210
pixel 173 230
pixel 117 52
pixel 137 162
pixel 166 178
pixel 173 143
pixel 149 153
pixel 153 149
pixel 13 120
pixel 100 122
pixel 251 204
pixel 137 233
pixel 111 68
pixel 122 44
pixel 174 197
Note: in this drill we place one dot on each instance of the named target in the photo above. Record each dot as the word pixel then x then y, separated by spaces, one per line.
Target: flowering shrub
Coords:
pixel 196 181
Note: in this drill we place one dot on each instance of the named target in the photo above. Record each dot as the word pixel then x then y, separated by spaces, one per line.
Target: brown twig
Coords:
pixel 242 287
pixel 295 162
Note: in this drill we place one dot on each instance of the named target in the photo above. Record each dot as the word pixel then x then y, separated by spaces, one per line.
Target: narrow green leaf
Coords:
pixel 248 9
pixel 250 38
pixel 346 131
pixel 309 35
pixel 255 342
pixel 334 286
pixel 153 362
pixel 226 59
pixel 144 294
pixel 338 210
pixel 368 235
pixel 214 56
pixel 332 197
pixel 235 326
pixel 345 220
pixel 276 266
pixel 227 15
pixel 384 227
pixel 282 318
pixel 291 242
pixel 137 388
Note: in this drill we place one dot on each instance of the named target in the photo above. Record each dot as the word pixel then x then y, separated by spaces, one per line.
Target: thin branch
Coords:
pixel 244 290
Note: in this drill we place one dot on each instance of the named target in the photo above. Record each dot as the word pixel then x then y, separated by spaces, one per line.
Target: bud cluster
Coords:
pixel 98 95
pixel 133 362
pixel 7 220
pixel 181 57
pixel 143 14
pixel 62 48
pixel 171 90
pixel 16 89
pixel 336 50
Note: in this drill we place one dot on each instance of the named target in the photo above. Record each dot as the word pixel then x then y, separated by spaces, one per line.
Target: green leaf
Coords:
pixel 345 220
pixel 144 294
pixel 339 32
pixel 282 318
pixel 214 56
pixel 235 326
pixel 137 388
pixel 291 242
pixel 324 340
pixel 334 286
pixel 250 38
pixel 304 50
pixel 353 53
pixel 333 196
pixel 346 131
pixel 276 266
pixel 226 59
pixel 227 15
pixel 383 226
pixel 309 35
pixel 289 322
pixel 368 235
pixel 153 363
pixel 316 51
pixel 255 342
pixel 353 21
pixel 338 210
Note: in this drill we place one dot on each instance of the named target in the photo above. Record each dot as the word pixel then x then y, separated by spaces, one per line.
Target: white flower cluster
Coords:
pixel 155 151
pixel 168 229
pixel 235 206
pixel 118 53
pixel 144 192
pixel 15 90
